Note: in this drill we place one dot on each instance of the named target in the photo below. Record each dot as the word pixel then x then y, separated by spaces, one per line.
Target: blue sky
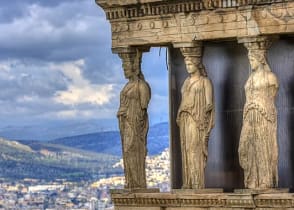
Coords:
pixel 58 76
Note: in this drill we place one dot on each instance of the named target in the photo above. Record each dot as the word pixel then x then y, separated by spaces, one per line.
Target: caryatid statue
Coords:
pixel 195 119
pixel 258 147
pixel 133 120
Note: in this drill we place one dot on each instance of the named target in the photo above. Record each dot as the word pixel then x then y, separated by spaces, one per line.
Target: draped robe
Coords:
pixel 258 147
pixel 195 123
pixel 133 123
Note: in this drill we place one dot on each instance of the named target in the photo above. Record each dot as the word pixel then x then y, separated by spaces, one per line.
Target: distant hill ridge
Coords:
pixel 109 142
pixel 15 144
pixel 47 161
pixel 80 157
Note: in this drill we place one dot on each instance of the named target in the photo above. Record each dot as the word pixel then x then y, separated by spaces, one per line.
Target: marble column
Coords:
pixel 258 146
pixel 195 117
pixel 133 118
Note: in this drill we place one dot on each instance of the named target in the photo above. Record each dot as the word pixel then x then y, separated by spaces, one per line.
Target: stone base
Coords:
pixel 197 191
pixel 181 200
pixel 134 190
pixel 263 191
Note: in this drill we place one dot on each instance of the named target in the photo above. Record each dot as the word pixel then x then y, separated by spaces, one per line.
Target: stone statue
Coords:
pixel 258 147
pixel 133 121
pixel 195 120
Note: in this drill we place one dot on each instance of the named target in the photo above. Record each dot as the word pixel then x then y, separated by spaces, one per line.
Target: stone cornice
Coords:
pixel 115 3
pixel 117 9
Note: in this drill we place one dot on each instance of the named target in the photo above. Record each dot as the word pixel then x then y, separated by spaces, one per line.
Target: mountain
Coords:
pixel 47 161
pixel 110 143
pixel 53 129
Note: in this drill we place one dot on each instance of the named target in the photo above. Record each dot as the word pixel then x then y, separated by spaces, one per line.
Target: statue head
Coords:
pixel 128 67
pixel 131 64
pixel 193 59
pixel 257 60
pixel 192 64
pixel 257 48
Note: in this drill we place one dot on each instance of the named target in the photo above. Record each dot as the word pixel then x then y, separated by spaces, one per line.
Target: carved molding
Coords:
pixel 258 43
pixel 225 200
pixel 134 9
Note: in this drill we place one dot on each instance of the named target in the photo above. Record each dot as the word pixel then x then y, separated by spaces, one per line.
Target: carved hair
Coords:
pixel 257 48
pixel 133 60
pixel 194 54
pixel 260 56
pixel 199 64
pixel 137 65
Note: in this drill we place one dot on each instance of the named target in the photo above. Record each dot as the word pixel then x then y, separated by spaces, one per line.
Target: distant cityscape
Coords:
pixel 88 195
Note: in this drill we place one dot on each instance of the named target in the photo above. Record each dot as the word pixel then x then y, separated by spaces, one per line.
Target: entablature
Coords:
pixel 165 22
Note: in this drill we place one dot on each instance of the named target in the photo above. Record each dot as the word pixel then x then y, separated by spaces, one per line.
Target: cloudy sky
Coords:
pixel 58 76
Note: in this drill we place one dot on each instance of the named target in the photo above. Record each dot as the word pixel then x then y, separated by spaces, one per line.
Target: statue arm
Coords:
pixel 209 109
pixel 144 94
pixel 120 112
pixel 208 95
pixel 122 109
pixel 183 89
pixel 273 83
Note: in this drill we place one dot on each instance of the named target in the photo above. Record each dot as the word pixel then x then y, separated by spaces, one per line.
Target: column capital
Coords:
pixel 192 52
pixel 131 55
pixel 190 49
pixel 191 44
pixel 254 43
pixel 130 50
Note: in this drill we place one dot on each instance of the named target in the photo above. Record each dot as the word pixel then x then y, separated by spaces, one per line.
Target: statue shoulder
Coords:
pixel 144 88
pixel 272 78
pixel 143 85
pixel 207 81
pixel 185 84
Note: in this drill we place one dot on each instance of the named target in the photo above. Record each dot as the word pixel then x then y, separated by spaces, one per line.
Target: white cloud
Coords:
pixel 4 67
pixel 80 90
pixel 67 114
pixel 94 94
pixel 53 90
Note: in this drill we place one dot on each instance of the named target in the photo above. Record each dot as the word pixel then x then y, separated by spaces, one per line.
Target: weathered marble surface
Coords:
pixel 133 120
pixel 228 68
pixel 208 201
pixel 195 119
pixel 258 147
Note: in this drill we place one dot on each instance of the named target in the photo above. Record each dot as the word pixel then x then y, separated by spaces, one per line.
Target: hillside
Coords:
pixel 49 162
pixel 110 143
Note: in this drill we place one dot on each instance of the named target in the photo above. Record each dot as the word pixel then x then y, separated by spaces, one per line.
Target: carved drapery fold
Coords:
pixel 133 118
pixel 195 117
pixel 258 147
